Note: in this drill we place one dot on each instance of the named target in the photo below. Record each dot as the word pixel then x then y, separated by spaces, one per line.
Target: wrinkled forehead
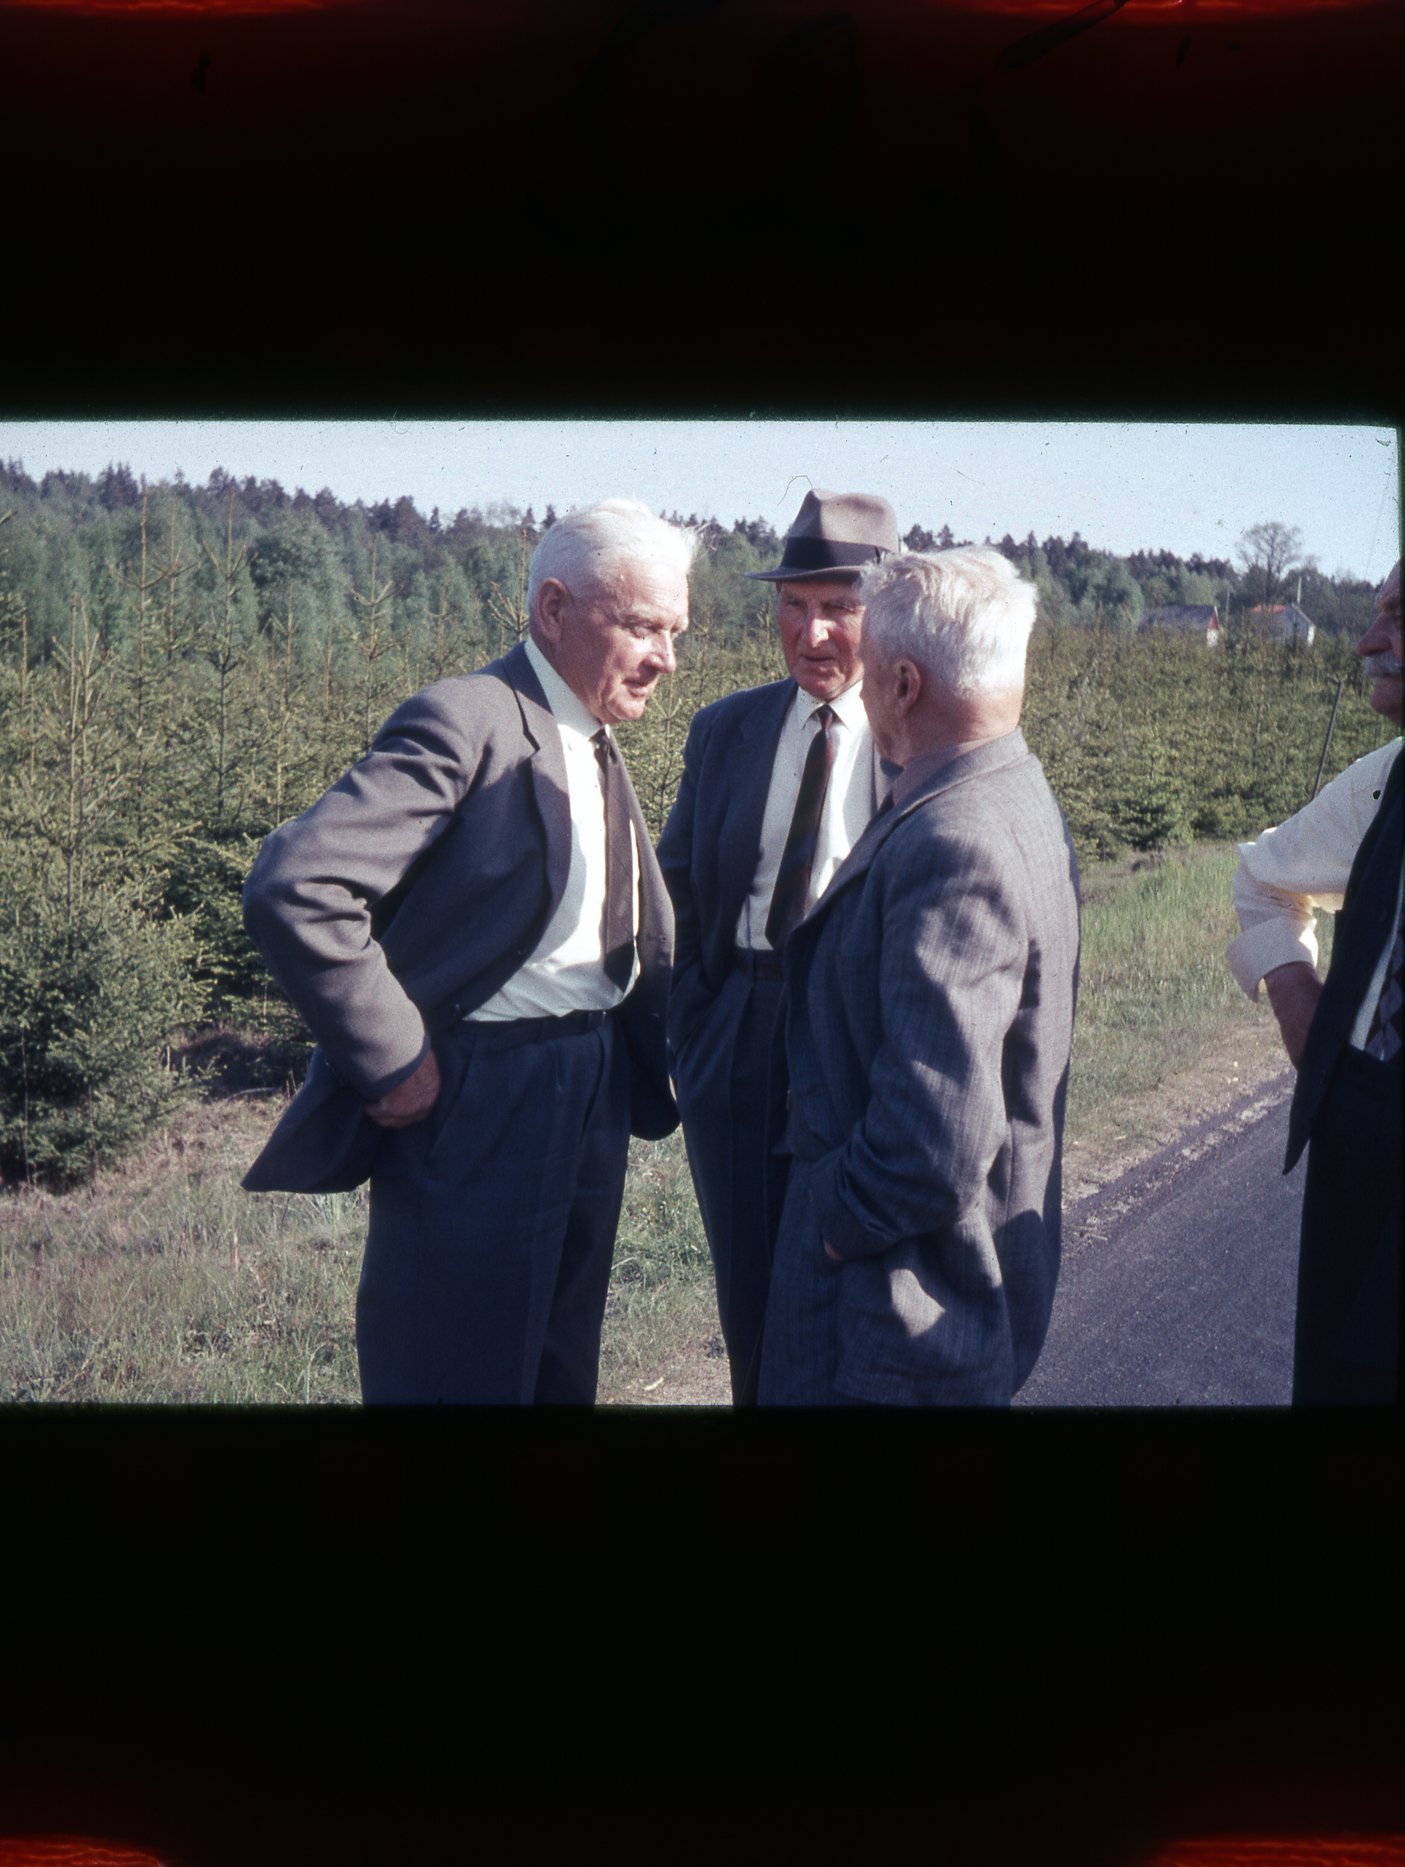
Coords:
pixel 1388 596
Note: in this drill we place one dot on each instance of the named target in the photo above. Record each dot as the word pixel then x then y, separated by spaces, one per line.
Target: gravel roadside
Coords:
pixel 1232 1065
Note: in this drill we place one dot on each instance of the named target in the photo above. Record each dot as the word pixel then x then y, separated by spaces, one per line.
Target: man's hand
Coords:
pixel 410 1101
pixel 830 1252
pixel 1293 992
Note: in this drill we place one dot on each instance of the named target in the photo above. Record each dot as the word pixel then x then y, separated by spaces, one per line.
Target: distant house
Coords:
pixel 1285 622
pixel 1183 619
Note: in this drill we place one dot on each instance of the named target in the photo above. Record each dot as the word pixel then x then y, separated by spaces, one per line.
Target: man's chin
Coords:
pixel 824 682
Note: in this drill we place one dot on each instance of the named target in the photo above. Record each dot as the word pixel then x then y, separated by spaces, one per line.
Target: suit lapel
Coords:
pixel 652 894
pixel 547 763
pixel 738 838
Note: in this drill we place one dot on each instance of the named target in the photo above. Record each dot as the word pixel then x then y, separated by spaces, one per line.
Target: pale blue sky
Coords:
pixel 1179 486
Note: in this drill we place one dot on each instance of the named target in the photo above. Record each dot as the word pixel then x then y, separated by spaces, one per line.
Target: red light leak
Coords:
pixel 1035 12
pixel 179 9
pixel 70 1851
pixel 1285 1851
pixel 1186 12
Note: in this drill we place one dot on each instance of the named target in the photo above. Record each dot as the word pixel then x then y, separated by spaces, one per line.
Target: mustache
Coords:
pixel 1383 663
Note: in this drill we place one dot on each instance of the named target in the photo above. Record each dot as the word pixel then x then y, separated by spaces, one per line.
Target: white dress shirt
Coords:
pixel 566 970
pixel 854 789
pixel 1303 865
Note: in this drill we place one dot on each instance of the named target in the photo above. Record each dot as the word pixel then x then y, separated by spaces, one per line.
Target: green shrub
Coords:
pixel 1151 801
pixel 89 999
pixel 203 886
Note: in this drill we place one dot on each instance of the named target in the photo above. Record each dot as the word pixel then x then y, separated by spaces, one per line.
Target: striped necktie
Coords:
pixel 1383 1040
pixel 798 859
pixel 617 926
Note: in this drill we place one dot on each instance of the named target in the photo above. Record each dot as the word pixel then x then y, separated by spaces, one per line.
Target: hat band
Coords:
pixel 827 554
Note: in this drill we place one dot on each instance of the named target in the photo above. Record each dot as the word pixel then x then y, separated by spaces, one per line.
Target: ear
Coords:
pixel 549 614
pixel 907 688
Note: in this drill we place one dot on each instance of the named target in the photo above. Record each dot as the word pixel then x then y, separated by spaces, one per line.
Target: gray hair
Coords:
pixel 586 549
pixel 963 616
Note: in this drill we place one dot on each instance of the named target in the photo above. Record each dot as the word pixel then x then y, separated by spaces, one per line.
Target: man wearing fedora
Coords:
pixel 778 784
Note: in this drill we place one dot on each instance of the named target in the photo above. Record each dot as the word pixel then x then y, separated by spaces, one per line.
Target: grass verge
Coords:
pixel 1155 993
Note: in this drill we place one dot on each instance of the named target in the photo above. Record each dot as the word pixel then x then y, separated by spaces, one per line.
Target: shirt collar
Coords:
pixel 567 708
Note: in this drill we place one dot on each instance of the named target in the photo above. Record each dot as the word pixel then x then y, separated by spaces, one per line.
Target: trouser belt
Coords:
pixel 506 1033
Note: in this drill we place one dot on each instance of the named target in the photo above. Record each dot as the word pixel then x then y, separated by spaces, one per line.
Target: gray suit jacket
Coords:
pixel 930 1001
pixel 411 892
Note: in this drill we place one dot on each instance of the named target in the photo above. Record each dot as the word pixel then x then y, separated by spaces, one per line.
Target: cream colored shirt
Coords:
pixel 855 786
pixel 1301 866
pixel 566 970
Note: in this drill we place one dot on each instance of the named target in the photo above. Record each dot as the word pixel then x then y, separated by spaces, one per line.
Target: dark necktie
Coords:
pixel 793 880
pixel 1383 1040
pixel 617 924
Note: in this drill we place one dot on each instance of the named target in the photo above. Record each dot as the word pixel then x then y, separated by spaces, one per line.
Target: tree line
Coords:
pixel 182 668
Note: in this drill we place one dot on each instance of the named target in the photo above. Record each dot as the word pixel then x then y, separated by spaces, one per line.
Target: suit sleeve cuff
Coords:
pixel 382 1085
pixel 840 1227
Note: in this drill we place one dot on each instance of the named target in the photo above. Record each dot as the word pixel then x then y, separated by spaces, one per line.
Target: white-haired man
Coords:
pixel 1341 852
pixel 473 924
pixel 928 1022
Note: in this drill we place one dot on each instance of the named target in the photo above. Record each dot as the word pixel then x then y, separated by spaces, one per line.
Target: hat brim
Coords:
pixel 829 574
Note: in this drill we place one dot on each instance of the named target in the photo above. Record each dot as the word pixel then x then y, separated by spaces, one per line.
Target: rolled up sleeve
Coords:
pixel 1299 867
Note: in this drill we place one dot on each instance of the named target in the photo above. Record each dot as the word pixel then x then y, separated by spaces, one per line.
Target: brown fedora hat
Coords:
pixel 834 533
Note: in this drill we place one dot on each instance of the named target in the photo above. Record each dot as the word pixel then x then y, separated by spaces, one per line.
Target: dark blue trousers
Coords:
pixel 493 1222
pixel 727 1095
pixel 1347 1336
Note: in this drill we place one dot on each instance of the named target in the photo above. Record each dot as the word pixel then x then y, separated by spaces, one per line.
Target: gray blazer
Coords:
pixel 411 892
pixel 930 1001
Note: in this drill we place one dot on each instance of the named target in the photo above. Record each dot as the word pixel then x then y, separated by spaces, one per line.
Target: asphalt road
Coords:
pixel 1177 1281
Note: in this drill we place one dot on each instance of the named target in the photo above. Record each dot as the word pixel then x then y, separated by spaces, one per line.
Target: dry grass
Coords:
pixel 164 1282
pixel 661 1317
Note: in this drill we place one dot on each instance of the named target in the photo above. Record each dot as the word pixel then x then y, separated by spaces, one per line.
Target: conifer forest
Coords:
pixel 183 667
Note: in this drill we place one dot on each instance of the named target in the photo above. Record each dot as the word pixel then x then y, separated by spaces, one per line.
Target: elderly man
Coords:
pixel 473 925
pixel 928 1022
pixel 778 782
pixel 1342 851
